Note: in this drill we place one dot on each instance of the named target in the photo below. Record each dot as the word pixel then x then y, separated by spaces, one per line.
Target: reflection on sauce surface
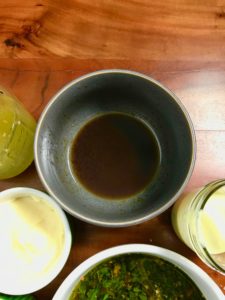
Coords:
pixel 115 155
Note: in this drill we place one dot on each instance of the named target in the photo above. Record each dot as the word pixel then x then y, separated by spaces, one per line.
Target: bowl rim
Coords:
pixel 138 220
pixel 7 287
pixel 201 278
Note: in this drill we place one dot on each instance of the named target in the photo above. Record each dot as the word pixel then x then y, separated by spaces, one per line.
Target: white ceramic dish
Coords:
pixel 207 286
pixel 11 286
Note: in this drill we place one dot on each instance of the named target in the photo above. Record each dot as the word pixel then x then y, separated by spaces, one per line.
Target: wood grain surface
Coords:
pixel 45 44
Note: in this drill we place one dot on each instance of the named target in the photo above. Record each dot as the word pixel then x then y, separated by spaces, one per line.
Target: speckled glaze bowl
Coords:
pixel 206 285
pixel 114 91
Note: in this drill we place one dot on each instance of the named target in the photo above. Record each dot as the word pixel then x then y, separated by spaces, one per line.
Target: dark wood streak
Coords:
pixel 15 78
pixel 42 93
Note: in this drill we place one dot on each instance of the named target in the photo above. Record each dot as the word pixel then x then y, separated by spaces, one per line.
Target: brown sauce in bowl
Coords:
pixel 115 155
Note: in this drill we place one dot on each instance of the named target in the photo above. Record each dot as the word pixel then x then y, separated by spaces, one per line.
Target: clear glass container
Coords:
pixel 17 128
pixel 199 221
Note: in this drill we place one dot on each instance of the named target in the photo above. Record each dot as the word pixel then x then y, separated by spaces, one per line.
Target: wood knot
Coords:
pixel 13 43
pixel 33 29
pixel 220 15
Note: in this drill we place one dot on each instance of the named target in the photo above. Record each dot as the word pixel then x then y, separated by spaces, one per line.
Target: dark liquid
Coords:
pixel 115 155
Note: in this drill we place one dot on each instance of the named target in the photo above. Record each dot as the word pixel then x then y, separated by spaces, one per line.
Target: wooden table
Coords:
pixel 46 43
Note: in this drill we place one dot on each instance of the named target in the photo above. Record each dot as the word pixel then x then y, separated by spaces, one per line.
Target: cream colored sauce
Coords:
pixel 212 224
pixel 31 238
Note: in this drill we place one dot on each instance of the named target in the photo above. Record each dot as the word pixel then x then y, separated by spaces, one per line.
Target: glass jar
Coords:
pixel 199 221
pixel 17 128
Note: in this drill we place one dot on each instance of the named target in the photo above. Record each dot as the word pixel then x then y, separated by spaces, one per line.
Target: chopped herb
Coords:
pixel 136 277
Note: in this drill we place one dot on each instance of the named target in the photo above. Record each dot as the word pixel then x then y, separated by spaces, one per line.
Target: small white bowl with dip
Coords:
pixel 205 284
pixel 35 240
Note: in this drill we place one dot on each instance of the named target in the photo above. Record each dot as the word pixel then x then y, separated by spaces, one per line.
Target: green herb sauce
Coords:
pixel 136 277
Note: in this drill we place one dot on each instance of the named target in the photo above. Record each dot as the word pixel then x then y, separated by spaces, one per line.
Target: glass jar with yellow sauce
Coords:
pixel 199 221
pixel 17 128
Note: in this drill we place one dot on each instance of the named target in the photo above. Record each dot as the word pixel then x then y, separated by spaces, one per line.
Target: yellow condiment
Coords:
pixel 199 220
pixel 212 223
pixel 17 128
pixel 182 217
pixel 32 238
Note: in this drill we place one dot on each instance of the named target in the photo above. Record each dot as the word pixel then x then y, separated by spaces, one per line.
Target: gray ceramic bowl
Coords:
pixel 114 91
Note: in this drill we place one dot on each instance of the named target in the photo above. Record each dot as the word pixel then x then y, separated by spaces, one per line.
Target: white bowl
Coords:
pixel 207 286
pixel 12 287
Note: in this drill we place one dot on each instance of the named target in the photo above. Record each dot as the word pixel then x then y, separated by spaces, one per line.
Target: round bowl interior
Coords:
pixel 207 286
pixel 114 91
pixel 11 287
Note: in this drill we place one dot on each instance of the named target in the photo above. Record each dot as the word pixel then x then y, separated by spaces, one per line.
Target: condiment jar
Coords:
pixel 17 128
pixel 199 221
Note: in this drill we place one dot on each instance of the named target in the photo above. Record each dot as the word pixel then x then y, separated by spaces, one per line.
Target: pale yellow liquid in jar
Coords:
pixel 17 128
pixel 181 216
pixel 211 225
pixel 207 225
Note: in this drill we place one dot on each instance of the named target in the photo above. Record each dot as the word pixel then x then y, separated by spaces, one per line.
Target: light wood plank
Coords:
pixel 116 29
